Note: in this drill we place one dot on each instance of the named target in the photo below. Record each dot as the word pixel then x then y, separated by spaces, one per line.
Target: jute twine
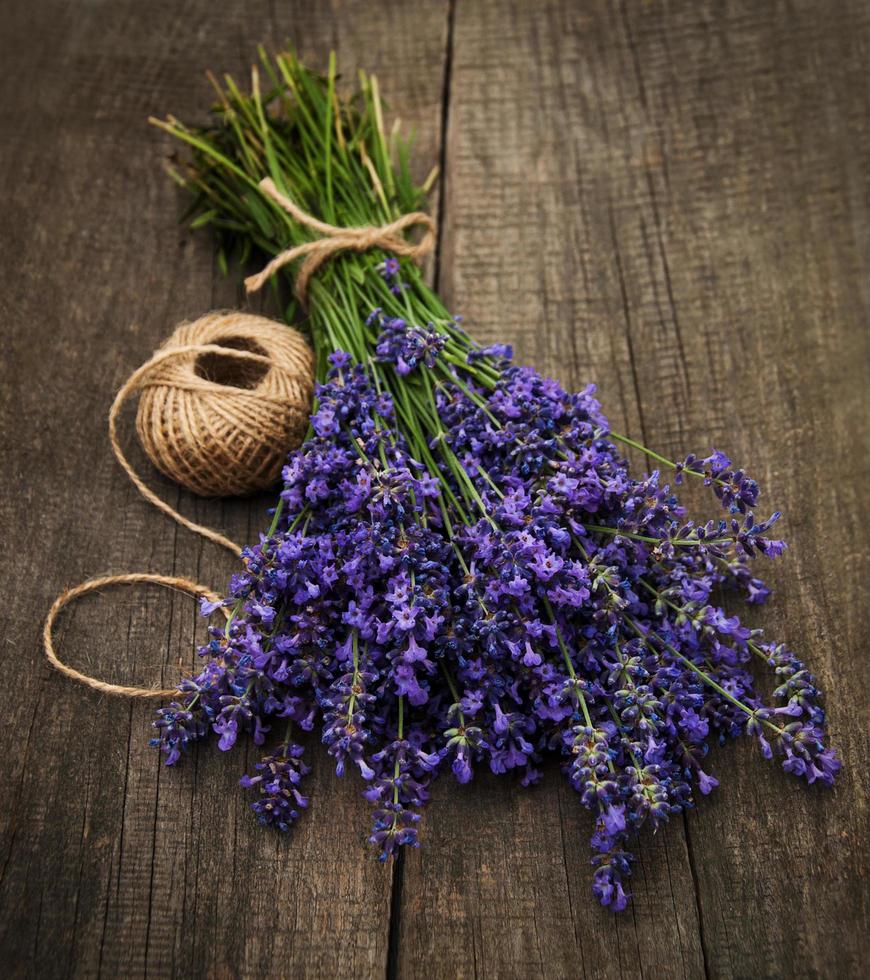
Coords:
pixel 93 585
pixel 218 433
pixel 219 439
pixel 334 239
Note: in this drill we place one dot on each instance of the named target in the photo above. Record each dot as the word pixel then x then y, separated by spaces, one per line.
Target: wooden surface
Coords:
pixel 672 200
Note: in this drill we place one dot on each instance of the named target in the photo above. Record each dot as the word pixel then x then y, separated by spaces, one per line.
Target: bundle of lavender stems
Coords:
pixel 461 571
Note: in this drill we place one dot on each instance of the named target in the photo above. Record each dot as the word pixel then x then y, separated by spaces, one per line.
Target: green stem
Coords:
pixel 452 685
pixel 705 677
pixel 616 532
pixel 401 732
pixel 663 459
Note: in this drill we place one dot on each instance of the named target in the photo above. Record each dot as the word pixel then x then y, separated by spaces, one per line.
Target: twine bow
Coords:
pixel 389 237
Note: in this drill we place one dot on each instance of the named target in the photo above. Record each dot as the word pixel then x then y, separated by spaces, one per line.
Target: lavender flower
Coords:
pixel 278 778
pixel 462 570
pixel 510 590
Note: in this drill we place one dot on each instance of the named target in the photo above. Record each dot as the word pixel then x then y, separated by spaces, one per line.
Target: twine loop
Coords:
pixel 335 239
pixel 93 585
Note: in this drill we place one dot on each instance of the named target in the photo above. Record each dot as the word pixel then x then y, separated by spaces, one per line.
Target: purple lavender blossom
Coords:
pixel 277 779
pixel 488 590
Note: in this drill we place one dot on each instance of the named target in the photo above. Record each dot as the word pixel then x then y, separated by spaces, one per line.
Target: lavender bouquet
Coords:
pixel 461 570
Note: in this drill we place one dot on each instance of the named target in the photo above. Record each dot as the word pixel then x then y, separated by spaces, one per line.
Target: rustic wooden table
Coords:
pixel 670 199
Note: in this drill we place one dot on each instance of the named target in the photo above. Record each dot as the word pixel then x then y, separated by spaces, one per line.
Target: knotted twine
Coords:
pixel 389 238
pixel 169 423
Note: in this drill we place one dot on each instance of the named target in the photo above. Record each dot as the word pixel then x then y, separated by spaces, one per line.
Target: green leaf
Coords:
pixel 203 219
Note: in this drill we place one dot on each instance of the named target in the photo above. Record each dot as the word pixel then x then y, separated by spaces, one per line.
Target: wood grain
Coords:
pixel 504 872
pixel 113 864
pixel 670 199
pixel 673 202
pixel 745 246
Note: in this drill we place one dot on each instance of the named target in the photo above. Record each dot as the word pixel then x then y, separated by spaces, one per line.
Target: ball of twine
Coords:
pixel 222 403
pixel 222 424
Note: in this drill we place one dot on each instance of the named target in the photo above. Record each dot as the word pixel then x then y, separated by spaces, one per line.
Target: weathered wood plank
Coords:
pixel 110 863
pixel 673 202
pixel 744 235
